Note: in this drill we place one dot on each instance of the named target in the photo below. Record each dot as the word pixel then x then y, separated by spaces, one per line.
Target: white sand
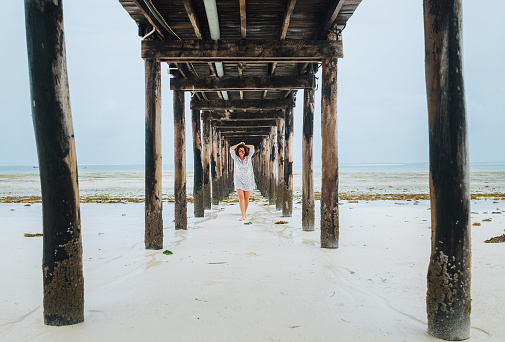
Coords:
pixel 227 281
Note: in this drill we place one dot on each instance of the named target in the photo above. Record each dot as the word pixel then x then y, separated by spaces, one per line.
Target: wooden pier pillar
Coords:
pixel 181 206
pixel 213 165
pixel 329 185
pixel 280 165
pixel 273 159
pixel 287 203
pixel 197 165
pixel 153 194
pixel 52 121
pixel 207 199
pixel 219 167
pixel 308 213
pixel 449 276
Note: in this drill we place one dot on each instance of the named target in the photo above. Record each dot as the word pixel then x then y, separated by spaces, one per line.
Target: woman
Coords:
pixel 243 176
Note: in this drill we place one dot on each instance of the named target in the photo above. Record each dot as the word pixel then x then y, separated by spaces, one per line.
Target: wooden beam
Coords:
pixel 198 51
pixel 287 18
pixel 241 116
pixel 164 33
pixel 63 281
pixel 242 104
pixel 153 200
pixel 257 123
pixel 188 5
pixel 330 17
pixel 448 297
pixel 243 15
pixel 243 83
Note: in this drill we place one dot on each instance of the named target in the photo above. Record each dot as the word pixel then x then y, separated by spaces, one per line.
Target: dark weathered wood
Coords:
pixel 449 272
pixel 241 116
pixel 153 173
pixel 243 16
pixel 329 185
pixel 263 123
pixel 207 199
pixel 162 31
pixel 52 121
pixel 243 83
pixel 242 104
pixel 287 203
pixel 290 6
pixel 273 158
pixel 329 21
pixel 280 164
pixel 198 51
pixel 197 165
pixel 213 165
pixel 219 167
pixel 308 214
pixel 181 210
pixel 188 5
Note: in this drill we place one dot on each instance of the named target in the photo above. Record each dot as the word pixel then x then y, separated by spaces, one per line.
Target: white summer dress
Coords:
pixel 243 175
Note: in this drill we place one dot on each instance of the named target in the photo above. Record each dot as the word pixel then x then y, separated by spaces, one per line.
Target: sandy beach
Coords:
pixel 227 281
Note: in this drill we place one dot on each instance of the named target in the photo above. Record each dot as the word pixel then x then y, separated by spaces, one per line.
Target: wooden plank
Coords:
pixel 241 116
pixel 162 31
pixel 198 51
pixel 330 18
pixel 181 210
pixel 308 211
pixel 329 167
pixel 243 21
pixel 63 281
pixel 242 104
pixel 243 83
pixel 286 19
pixel 153 200
pixel 449 272
pixel 188 5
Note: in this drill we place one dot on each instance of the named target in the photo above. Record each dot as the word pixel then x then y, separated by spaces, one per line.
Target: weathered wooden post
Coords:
pixel 197 165
pixel 273 158
pixel 213 165
pixel 181 207
pixel 329 185
pixel 52 121
pixel 448 297
pixel 206 164
pixel 308 213
pixel 287 203
pixel 280 164
pixel 153 172
pixel 219 167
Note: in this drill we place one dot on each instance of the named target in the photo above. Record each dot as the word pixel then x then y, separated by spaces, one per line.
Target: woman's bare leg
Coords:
pixel 240 194
pixel 246 202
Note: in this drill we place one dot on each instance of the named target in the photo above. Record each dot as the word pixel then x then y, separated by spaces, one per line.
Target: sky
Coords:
pixel 382 111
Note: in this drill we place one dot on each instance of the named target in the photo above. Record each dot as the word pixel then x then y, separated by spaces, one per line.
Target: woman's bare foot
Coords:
pixel 242 218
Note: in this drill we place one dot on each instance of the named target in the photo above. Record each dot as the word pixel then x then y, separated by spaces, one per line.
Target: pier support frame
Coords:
pixel 448 297
pixel 52 121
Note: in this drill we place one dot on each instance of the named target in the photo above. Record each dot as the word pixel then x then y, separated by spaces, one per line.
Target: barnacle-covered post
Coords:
pixel 279 193
pixel 206 162
pixel 153 195
pixel 181 207
pixel 308 213
pixel 448 297
pixel 329 167
pixel 197 165
pixel 52 121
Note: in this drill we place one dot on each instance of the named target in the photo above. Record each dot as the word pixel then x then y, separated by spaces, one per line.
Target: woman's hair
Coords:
pixel 246 150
